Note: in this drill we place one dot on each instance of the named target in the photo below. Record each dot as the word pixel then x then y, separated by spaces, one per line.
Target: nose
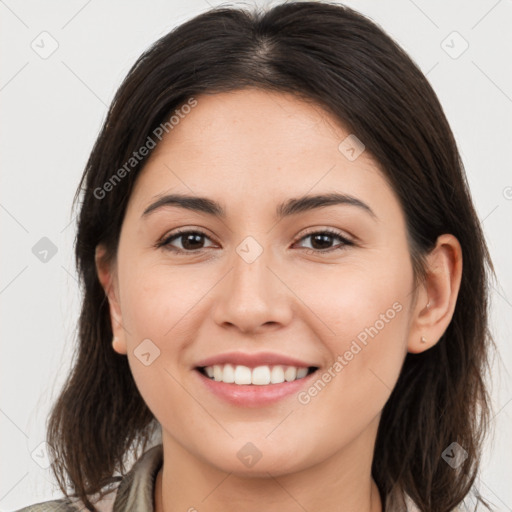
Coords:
pixel 253 297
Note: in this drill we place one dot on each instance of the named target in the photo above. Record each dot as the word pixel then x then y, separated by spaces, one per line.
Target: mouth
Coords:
pixel 250 387
pixel 264 375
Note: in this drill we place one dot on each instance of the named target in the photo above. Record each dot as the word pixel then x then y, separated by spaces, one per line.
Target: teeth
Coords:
pixel 290 373
pixel 277 375
pixel 242 375
pixel 259 376
pixel 302 372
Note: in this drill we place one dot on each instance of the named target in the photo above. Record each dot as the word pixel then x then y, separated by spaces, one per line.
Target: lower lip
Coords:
pixel 250 395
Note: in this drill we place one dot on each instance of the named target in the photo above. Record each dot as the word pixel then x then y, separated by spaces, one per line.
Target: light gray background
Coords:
pixel 52 110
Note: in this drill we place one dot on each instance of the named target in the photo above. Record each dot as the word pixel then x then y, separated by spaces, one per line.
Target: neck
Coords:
pixel 174 502
pixel 343 483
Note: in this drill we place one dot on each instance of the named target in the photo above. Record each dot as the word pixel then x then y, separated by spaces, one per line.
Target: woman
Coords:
pixel 285 281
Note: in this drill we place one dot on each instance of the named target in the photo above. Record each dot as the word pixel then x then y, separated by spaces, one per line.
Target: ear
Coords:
pixel 439 291
pixel 108 279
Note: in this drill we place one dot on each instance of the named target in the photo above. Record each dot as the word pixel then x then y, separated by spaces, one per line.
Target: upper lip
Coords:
pixel 253 360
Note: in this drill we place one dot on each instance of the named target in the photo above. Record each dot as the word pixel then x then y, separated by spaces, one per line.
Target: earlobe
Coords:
pixel 438 296
pixel 107 278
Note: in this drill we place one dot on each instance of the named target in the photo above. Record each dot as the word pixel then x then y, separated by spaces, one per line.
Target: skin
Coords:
pixel 250 150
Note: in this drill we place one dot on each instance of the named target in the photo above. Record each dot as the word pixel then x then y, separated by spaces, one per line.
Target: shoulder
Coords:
pixel 134 491
pixel 62 505
pixel 104 504
pixel 66 505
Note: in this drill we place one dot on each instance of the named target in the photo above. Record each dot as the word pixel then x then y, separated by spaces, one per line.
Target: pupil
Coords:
pixel 191 238
pixel 322 238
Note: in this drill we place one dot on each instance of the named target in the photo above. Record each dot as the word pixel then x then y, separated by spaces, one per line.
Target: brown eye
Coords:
pixel 321 241
pixel 190 241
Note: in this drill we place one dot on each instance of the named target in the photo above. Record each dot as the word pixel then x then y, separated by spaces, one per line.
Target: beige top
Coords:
pixel 135 492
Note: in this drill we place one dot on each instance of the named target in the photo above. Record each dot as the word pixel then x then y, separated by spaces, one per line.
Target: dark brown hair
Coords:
pixel 338 59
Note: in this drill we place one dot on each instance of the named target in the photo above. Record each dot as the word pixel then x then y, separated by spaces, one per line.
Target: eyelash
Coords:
pixel 165 243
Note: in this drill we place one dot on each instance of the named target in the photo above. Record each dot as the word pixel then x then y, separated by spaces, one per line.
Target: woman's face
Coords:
pixel 263 277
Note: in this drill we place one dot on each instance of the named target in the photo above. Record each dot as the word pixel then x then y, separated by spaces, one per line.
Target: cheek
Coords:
pixel 158 305
pixel 367 354
pixel 361 317
pixel 156 300
pixel 346 300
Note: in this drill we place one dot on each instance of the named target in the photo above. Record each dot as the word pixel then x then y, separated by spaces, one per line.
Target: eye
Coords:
pixel 193 241
pixel 190 241
pixel 320 240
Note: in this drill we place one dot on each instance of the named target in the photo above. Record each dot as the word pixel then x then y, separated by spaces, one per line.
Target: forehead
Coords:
pixel 252 118
pixel 256 144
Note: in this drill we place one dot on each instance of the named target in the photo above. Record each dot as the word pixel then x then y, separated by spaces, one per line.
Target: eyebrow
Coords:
pixel 289 207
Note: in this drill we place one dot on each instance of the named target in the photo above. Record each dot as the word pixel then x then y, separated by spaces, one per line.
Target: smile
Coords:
pixel 259 376
pixel 247 393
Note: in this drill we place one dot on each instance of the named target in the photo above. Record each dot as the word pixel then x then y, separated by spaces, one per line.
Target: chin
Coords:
pixel 258 458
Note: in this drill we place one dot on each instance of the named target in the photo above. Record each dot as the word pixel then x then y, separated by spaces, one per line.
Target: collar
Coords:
pixel 136 490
